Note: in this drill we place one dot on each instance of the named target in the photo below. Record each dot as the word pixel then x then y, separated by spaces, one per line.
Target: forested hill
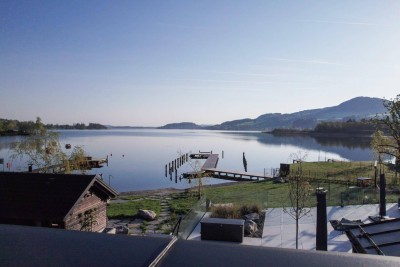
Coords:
pixel 355 109
pixel 181 125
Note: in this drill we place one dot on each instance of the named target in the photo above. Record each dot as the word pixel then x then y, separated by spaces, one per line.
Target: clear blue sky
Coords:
pixel 154 62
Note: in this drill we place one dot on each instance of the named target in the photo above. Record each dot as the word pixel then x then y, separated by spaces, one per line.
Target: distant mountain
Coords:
pixel 182 125
pixel 356 108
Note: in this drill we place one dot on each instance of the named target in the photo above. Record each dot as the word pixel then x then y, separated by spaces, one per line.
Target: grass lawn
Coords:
pixel 266 194
pixel 321 174
pixel 130 207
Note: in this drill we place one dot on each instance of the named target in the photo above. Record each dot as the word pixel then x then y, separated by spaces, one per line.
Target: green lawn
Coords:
pixel 130 208
pixel 321 174
pixel 266 194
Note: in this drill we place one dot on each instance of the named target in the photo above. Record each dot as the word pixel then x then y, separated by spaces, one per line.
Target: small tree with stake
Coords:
pixel 299 195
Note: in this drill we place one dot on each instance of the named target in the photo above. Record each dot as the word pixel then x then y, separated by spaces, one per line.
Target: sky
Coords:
pixel 149 63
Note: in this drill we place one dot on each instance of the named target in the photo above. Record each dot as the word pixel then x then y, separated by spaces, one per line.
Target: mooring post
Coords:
pixel 222 154
pixel 166 167
pixel 187 156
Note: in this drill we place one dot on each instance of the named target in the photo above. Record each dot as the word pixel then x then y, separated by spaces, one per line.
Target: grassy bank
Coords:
pixel 338 178
pixel 126 206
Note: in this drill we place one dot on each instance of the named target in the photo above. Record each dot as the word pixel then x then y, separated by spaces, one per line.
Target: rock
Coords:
pixel 279 180
pixel 147 215
pixel 250 227
pixel 110 230
pixel 122 230
pixel 208 204
pixel 252 217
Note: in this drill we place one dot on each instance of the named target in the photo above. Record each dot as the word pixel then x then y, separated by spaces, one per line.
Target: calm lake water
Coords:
pixel 139 156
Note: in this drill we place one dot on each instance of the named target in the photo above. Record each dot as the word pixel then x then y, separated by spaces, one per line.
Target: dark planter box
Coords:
pixel 222 229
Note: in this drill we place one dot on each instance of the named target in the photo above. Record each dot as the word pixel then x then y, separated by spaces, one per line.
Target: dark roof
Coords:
pixel 37 246
pixel 41 196
pixel 378 238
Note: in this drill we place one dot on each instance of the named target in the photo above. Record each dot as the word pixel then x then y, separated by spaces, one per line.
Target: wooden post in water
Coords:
pixel 176 177
pixel 166 167
pixel 222 154
pixel 187 156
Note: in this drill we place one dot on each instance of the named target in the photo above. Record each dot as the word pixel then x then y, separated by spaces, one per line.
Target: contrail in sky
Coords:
pixel 308 61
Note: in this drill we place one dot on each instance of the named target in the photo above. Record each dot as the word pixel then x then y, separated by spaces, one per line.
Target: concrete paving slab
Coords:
pixel 279 228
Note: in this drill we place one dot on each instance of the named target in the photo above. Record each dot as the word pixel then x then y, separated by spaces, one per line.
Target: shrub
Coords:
pixel 226 212
pixel 249 209
pixel 232 212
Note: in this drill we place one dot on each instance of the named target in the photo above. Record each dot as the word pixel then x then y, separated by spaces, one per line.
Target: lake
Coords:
pixel 137 158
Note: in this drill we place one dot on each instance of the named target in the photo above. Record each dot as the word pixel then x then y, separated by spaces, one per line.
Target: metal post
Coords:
pixel 382 202
pixel 322 231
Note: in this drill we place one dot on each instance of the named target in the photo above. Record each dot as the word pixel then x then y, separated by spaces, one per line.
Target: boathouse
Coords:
pixel 73 202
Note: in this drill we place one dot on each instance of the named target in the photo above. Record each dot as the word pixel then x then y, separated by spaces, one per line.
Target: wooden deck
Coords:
pixel 211 162
pixel 235 175
pixel 210 169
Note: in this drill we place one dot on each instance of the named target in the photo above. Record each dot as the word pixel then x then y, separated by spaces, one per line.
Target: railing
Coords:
pixel 191 219
pixel 175 231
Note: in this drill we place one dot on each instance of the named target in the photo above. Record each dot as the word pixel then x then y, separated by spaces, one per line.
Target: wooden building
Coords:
pixel 73 202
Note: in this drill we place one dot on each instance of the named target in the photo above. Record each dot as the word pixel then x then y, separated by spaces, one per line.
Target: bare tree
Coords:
pixel 389 145
pixel 195 166
pixel 299 194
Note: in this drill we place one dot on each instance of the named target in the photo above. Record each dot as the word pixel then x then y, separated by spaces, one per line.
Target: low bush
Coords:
pixel 233 212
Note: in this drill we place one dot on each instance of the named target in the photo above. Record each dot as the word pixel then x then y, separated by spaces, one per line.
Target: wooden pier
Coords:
pixel 87 164
pixel 209 168
pixel 235 175
pixel 211 160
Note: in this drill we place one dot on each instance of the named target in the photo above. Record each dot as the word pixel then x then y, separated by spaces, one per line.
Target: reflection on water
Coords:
pixel 137 158
pixel 346 142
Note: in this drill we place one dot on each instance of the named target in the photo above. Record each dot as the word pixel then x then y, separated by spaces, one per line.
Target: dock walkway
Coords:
pixel 210 168
pixel 235 175
pixel 211 162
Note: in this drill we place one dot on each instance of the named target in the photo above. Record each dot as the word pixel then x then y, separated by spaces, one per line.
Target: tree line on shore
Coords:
pixel 15 127
pixel 364 127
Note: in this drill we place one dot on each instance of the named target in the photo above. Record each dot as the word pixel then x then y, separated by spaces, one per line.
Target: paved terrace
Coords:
pixel 279 228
